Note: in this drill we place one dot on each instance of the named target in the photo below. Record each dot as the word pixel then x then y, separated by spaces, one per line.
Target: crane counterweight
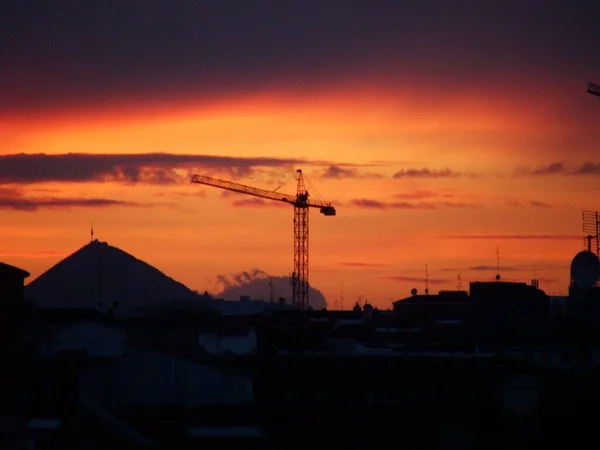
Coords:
pixel 328 211
pixel 301 202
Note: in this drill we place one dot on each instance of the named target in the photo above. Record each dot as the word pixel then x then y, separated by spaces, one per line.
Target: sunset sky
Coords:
pixel 439 129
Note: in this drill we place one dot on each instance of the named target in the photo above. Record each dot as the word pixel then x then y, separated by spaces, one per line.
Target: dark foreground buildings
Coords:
pixel 496 367
pixel 15 354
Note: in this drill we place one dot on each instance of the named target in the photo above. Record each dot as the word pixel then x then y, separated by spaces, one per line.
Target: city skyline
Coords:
pixel 438 137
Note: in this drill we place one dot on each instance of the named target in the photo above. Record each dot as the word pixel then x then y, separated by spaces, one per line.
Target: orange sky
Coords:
pixel 387 229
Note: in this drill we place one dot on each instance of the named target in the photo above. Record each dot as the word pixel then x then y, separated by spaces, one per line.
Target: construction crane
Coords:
pixel 301 203
pixel 594 89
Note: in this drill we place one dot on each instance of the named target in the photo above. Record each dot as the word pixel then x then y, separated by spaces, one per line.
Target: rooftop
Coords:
pixel 7 269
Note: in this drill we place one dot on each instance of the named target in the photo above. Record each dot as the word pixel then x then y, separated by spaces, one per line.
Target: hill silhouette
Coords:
pixel 101 271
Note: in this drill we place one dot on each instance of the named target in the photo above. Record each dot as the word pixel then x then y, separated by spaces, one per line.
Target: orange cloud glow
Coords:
pixel 455 156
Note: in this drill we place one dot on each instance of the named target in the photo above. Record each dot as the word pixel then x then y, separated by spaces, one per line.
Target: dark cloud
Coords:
pixel 258 203
pixel 415 279
pixel 528 203
pixel 12 199
pixel 587 168
pixel 559 168
pixel 337 172
pixel 418 195
pixel 515 268
pixel 376 204
pixel 155 168
pixel 86 51
pixel 538 204
pixel 427 173
pixel 484 268
pixel 33 255
pixel 544 237
pixel 550 169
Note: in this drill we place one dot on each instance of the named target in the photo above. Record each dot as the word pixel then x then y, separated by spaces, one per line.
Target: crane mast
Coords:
pixel 300 275
pixel 301 203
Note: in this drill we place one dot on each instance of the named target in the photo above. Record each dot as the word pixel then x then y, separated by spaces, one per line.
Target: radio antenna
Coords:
pixel 498 263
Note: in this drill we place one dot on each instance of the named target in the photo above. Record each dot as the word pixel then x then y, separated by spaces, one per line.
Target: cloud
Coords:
pixel 559 168
pixel 514 268
pixel 550 169
pixel 422 194
pixel 528 203
pixel 45 190
pixel 14 200
pixel 587 169
pixel 361 264
pixel 545 237
pixel 258 284
pixel 33 204
pixel 197 193
pixel 154 168
pixel 484 268
pixel 427 173
pixel 339 172
pixel 33 255
pixel 147 168
pixel 240 278
pixel 415 279
pixel 258 203
pixel 178 50
pixel 376 204
pixel 538 204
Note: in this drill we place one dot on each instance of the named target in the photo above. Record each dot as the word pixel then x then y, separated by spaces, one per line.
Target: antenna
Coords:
pixel 99 279
pixel 458 284
pixel 92 232
pixel 426 279
pixel 591 226
pixel 498 263
pixel 342 296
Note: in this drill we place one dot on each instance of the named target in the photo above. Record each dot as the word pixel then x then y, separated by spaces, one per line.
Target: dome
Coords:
pixel 585 269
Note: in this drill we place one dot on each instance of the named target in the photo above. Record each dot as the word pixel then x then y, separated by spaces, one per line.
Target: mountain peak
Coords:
pixel 99 271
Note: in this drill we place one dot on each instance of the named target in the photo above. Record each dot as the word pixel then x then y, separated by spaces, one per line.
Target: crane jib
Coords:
pixel 301 202
pixel 326 210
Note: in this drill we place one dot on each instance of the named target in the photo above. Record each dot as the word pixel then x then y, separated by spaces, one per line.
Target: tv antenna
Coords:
pixel 591 226
pixel 271 291
pixel 426 279
pixel 458 284
pixel 594 89
pixel 498 263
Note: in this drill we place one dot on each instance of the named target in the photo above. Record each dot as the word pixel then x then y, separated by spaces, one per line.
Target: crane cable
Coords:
pixel 313 188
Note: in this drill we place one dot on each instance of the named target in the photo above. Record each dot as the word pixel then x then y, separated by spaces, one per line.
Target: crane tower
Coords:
pixel 301 203
pixel 594 89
